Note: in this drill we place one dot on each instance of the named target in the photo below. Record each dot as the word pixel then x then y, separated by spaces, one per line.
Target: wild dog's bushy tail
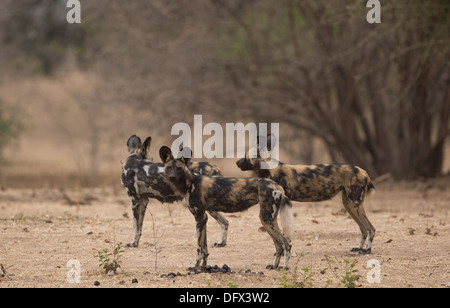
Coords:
pixel 286 217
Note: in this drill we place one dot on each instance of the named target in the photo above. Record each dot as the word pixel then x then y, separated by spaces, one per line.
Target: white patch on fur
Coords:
pixel 160 169
pixel 136 187
pixel 276 194
pixel 146 169
pixel 187 196
pixel 287 220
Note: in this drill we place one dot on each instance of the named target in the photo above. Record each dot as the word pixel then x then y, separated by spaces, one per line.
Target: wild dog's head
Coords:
pixel 135 146
pixel 253 158
pixel 175 169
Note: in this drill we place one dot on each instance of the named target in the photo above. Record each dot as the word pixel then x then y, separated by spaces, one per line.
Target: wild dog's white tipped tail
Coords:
pixel 286 217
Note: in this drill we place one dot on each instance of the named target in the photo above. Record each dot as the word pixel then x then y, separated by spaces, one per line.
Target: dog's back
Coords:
pixel 320 182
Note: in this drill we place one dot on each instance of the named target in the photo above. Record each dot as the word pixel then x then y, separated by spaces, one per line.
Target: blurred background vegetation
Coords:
pixel 344 90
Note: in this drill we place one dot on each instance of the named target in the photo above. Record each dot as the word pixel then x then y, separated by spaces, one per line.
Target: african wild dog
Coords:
pixel 144 179
pixel 318 183
pixel 229 195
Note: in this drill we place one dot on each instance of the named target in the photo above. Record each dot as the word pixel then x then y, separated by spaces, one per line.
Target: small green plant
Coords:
pixel 208 283
pixel 350 277
pixel 347 277
pixel 109 261
pixel 220 284
pixel 302 279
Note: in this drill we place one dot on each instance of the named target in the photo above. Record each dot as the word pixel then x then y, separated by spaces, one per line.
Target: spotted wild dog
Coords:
pixel 230 195
pixel 144 179
pixel 310 183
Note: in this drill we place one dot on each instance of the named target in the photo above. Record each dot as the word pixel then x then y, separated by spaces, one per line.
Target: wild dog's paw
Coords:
pixel 362 250
pixel 221 244
pixel 365 251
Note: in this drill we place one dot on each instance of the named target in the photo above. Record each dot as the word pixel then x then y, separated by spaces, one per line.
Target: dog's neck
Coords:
pixel 131 157
pixel 262 173
pixel 185 184
pixel 267 173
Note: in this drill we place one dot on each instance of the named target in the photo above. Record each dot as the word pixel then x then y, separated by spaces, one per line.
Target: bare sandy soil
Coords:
pixel 41 230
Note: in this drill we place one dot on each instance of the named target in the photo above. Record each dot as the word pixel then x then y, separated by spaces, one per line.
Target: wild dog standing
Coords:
pixel 318 183
pixel 144 179
pixel 229 195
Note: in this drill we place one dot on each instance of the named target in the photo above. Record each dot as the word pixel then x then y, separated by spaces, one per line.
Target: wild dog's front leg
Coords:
pixel 202 247
pixel 138 205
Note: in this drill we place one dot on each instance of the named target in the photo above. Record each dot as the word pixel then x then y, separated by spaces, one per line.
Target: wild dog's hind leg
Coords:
pixel 138 205
pixel 223 222
pixel 370 230
pixel 268 216
pixel 356 210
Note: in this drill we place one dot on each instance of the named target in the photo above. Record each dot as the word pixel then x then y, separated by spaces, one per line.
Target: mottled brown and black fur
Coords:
pixel 144 179
pixel 229 195
pixel 321 182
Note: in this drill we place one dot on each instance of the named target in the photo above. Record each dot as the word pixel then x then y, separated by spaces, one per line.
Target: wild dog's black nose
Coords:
pixel 172 178
pixel 240 162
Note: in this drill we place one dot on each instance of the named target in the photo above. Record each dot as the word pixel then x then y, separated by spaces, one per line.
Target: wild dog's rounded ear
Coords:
pixel 165 153
pixel 134 144
pixel 145 151
pixel 255 149
pixel 261 145
pixel 271 141
pixel 256 143
pixel 266 142
pixel 185 155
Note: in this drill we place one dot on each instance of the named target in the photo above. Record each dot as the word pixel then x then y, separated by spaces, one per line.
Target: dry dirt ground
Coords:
pixel 41 230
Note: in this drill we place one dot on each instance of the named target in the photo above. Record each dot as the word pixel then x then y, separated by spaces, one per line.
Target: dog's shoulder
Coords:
pixel 143 166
